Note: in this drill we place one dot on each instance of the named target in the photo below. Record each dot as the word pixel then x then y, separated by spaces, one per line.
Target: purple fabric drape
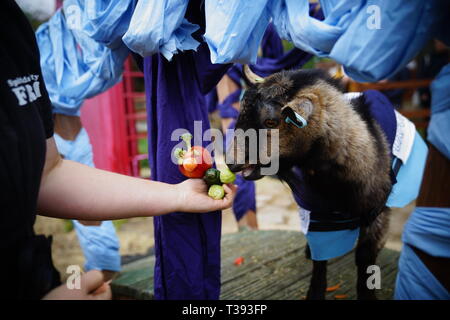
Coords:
pixel 187 246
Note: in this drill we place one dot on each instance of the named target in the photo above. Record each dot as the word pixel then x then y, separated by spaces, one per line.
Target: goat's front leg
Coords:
pixel 371 241
pixel 318 283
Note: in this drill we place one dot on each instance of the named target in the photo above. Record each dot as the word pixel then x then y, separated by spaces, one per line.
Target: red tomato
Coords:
pixel 189 164
pixel 198 159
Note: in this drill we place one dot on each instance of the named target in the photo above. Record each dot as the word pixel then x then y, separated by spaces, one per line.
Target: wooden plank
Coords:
pixel 297 289
pixel 257 249
pixel 275 267
pixel 387 261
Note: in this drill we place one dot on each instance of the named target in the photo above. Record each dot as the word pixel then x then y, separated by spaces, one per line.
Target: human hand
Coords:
pixel 92 287
pixel 193 196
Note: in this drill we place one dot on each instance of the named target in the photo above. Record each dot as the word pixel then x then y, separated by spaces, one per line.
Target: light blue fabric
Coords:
pixel 429 230
pixel 326 245
pixel 160 26
pixel 75 67
pixel 79 150
pixel 409 177
pixel 375 54
pixel 345 35
pixel 293 23
pixel 347 32
pixel 235 28
pixel 439 128
pixel 415 281
pixel 100 244
pixel 104 21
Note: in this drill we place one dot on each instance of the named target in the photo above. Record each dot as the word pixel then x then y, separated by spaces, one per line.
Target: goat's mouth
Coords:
pixel 248 171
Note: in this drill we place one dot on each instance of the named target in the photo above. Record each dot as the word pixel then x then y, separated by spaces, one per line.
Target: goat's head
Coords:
pixel 291 102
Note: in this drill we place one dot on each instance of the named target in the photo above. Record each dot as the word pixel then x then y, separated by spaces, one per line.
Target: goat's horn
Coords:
pixel 251 76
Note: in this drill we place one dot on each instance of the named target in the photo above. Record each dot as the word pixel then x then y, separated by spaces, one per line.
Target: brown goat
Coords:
pixel 341 158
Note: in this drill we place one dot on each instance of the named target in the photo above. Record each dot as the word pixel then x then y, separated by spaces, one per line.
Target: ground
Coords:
pixel 276 210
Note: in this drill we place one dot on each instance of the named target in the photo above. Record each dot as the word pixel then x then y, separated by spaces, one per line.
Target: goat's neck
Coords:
pixel 347 140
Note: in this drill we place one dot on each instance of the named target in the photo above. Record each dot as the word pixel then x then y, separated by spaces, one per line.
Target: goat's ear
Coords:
pixel 302 106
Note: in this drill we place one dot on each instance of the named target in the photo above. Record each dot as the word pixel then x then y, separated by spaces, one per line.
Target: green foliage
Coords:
pixel 68 225
pixel 118 223
pixel 143 146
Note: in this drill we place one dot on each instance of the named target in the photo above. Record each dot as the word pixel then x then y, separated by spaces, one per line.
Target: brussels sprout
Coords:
pixel 226 176
pixel 212 176
pixel 216 192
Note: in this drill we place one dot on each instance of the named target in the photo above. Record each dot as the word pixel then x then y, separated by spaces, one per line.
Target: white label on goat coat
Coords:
pixel 352 95
pixel 304 220
pixel 404 137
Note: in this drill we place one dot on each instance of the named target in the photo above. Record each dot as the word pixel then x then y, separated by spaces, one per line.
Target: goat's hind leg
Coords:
pixel 371 241
pixel 318 285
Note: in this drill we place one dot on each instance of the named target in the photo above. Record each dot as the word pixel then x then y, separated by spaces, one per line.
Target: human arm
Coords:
pixel 70 190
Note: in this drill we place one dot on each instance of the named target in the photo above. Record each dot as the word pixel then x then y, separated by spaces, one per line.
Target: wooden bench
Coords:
pixel 274 267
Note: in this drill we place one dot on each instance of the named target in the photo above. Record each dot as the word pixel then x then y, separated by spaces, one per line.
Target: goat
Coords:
pixel 341 159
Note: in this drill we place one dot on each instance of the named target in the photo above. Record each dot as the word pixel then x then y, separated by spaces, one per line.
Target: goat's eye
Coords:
pixel 271 123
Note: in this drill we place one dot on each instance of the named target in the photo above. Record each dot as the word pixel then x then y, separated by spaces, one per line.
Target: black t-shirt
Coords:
pixel 25 124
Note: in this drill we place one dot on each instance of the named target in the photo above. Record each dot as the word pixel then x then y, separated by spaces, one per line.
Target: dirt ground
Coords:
pixel 276 210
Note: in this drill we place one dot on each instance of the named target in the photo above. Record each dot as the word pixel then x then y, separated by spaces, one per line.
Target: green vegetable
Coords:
pixel 226 176
pixel 216 192
pixel 187 137
pixel 212 176
pixel 179 153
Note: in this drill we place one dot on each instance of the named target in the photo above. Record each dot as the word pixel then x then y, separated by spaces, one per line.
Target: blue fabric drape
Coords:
pixel 100 246
pixel 428 230
pixel 74 66
pixel 160 26
pixel 414 280
pixel 104 21
pixel 235 28
pixel 79 150
pixel 439 128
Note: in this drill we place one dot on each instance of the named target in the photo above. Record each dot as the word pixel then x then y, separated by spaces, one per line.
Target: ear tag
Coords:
pixel 299 122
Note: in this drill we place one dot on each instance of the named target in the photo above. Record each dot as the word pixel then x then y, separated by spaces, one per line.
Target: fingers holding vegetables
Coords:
pixel 216 192
pixel 215 178
pixel 192 196
pixel 196 162
pixel 212 176
pixel 226 176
